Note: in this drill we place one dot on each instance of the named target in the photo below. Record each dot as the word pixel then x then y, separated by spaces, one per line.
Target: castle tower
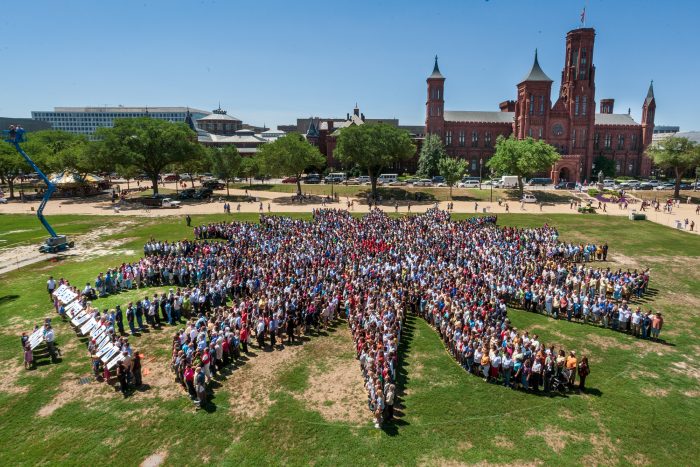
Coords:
pixel 648 111
pixel 435 105
pixel 532 107
pixel 577 94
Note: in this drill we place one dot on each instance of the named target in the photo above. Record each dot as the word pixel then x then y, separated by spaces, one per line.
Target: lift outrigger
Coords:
pixel 55 242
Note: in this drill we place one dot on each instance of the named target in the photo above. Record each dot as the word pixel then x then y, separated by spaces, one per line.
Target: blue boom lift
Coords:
pixel 55 242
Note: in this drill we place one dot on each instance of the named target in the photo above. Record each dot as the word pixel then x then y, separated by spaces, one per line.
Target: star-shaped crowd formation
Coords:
pixel 239 282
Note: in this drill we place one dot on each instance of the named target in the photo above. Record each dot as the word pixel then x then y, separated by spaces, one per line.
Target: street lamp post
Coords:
pixel 491 175
pixel 481 165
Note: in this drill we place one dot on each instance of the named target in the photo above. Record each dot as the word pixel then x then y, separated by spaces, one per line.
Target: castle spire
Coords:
pixel 536 73
pixel 436 70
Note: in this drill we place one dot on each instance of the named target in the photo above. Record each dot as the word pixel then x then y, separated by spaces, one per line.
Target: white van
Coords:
pixel 387 178
pixel 528 198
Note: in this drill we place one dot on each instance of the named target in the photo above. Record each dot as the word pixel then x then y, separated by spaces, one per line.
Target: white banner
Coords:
pixel 73 309
pixel 36 338
pixel 64 294
pixel 88 326
pixel 105 349
pixel 115 361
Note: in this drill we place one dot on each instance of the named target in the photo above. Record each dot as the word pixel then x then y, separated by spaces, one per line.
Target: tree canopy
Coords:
pixel 151 145
pixel 12 165
pixel 291 154
pixel 452 170
pixel 522 157
pixel 676 153
pixel 373 146
pixel 431 153
pixel 225 163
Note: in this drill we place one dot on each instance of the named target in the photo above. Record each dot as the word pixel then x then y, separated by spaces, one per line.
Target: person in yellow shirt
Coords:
pixel 571 366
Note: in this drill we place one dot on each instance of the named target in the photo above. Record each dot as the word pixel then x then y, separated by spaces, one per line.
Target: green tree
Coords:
pixel 250 168
pixel 225 163
pixel 522 157
pixel 373 147
pixel 679 154
pixel 604 164
pixel 431 153
pixel 452 170
pixel 12 165
pixel 151 145
pixel 56 150
pixel 291 154
pixel 198 162
pixel 127 172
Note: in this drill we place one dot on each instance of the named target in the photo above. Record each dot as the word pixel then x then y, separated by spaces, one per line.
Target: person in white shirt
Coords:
pixel 50 286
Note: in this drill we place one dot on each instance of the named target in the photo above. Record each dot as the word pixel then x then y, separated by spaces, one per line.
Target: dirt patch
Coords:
pixel 338 394
pixel 250 386
pixel 692 393
pixel 464 446
pixel 503 442
pixel 655 392
pixel 685 369
pixel 607 342
pixel 640 374
pixel 154 460
pixel 637 459
pixel 555 438
pixel 603 450
pixel 567 415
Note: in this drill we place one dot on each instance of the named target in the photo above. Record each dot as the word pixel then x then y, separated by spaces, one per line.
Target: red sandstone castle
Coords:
pixel 571 124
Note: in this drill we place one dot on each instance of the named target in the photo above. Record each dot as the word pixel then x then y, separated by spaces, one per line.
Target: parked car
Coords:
pixel 312 179
pixel 214 184
pixel 352 181
pixel 529 198
pixel 468 184
pixel 686 186
pixel 171 177
pixel 3 200
pixel 153 201
pixel 398 183
pixel 539 181
pixel 438 179
pixel 362 179
pixel 665 186
pixel 289 180
pixel 645 186
pixel 187 193
pixel 203 193
pixel 170 203
pixel 424 182
pixel 565 186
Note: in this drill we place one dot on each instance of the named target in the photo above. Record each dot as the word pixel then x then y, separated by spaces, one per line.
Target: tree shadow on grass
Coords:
pixel 5 299
pixel 391 427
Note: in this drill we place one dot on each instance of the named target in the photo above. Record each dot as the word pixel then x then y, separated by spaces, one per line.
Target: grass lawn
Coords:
pixel 643 406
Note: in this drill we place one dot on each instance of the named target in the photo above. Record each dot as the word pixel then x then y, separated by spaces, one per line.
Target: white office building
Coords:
pixel 85 120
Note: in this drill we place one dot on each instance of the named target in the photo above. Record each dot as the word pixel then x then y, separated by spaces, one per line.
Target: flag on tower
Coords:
pixel 583 16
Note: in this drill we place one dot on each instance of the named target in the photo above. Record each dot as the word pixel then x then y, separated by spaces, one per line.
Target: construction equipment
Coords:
pixel 55 242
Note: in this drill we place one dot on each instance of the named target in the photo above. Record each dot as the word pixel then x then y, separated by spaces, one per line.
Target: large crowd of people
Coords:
pixel 242 284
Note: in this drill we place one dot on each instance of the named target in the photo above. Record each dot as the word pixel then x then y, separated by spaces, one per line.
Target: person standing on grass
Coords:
pixel 121 376
pixel 28 357
pixel 50 287
pixel 200 386
pixel 389 397
pixel 571 366
pixel 583 371
pixel 136 369
pixel 657 323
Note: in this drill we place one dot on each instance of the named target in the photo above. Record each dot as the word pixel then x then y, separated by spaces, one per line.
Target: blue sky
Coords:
pixel 271 62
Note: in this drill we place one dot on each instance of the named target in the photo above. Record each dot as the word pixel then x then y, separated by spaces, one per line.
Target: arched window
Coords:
pixel 585 105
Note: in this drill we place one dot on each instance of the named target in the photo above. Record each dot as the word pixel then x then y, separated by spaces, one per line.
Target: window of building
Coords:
pixel 584 105
pixel 634 142
pixel 448 138
pixel 621 142
pixel 487 139
pixel 529 132
pixel 475 139
pixel 617 167
pixel 573 138
pixel 473 165
pixel 461 137
pixel 539 134
pixel 541 105
pixel 576 105
pixel 630 168
pixel 574 57
pixel 532 104
pixel 608 141
pixel 583 67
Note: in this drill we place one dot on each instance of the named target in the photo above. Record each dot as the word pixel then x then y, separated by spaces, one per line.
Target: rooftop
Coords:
pixel 477 116
pixel 536 73
pixel 128 109
pixel 614 119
